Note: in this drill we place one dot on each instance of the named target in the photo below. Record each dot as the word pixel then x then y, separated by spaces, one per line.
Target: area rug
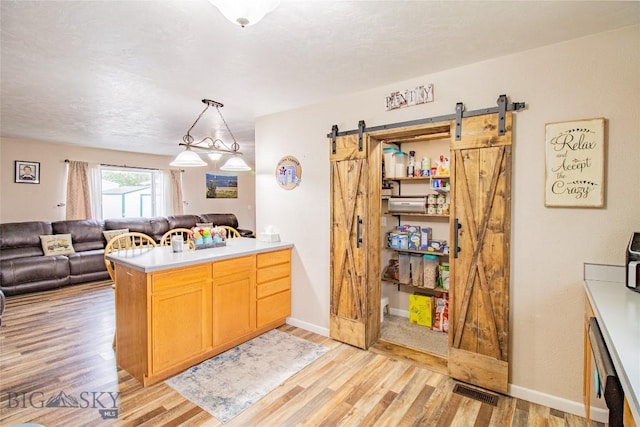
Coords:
pixel 230 382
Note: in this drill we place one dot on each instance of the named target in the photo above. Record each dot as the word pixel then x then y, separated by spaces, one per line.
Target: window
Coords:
pixel 131 192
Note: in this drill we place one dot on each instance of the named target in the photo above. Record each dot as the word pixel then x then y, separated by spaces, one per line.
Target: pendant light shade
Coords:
pixel 245 12
pixel 213 148
pixel 214 156
pixel 188 159
pixel 235 164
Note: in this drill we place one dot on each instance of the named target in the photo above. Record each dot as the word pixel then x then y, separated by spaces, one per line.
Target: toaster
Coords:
pixel 633 262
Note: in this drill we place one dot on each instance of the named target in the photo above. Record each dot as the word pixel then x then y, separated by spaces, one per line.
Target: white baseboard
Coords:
pixel 564 405
pixel 398 312
pixel 308 326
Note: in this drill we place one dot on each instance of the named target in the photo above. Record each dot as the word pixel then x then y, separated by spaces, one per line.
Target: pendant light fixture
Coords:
pixel 214 148
pixel 245 12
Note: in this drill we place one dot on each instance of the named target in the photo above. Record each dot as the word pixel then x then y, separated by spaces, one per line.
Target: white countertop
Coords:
pixel 617 309
pixel 163 257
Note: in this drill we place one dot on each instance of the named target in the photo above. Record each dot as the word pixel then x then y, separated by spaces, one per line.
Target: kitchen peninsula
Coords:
pixel 174 310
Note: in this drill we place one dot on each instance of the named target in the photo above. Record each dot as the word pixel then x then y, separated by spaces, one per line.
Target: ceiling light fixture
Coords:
pixel 214 148
pixel 245 12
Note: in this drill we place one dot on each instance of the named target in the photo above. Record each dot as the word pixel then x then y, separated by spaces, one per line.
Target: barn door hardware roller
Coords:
pixel 361 127
pixel 334 135
pixel 501 109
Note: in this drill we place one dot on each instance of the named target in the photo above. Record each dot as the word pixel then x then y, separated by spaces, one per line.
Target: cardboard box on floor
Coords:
pixel 421 310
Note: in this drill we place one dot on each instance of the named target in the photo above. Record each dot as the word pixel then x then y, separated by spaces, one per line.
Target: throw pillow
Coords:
pixel 204 224
pixel 110 234
pixel 57 244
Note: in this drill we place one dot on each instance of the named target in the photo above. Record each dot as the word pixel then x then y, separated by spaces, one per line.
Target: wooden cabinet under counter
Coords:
pixel 169 319
pixel 273 293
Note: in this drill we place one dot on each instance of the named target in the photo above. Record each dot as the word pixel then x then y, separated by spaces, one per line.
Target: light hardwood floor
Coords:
pixel 60 341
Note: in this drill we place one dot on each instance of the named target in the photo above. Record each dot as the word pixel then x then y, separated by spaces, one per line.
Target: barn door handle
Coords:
pixel 456 226
pixel 358 237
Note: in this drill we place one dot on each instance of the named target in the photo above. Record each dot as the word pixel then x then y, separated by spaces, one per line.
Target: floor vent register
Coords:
pixel 472 393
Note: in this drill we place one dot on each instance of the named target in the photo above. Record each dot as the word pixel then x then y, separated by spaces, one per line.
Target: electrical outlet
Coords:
pixel 383 221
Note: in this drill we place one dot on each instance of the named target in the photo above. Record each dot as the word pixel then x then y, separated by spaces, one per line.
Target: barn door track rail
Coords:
pixel 501 109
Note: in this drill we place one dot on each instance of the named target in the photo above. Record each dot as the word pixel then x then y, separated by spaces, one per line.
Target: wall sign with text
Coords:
pixel 575 158
pixel 409 97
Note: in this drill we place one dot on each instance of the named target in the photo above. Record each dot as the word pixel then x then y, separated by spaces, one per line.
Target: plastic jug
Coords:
pixel 401 164
pixel 389 161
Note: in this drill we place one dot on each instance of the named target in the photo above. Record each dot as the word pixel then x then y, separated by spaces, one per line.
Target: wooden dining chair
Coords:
pixel 187 237
pixel 131 241
pixel 231 232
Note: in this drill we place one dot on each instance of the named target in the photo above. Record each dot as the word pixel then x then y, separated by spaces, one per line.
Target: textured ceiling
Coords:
pixel 129 75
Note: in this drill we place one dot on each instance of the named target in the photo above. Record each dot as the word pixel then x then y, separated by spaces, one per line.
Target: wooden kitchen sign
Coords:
pixel 575 158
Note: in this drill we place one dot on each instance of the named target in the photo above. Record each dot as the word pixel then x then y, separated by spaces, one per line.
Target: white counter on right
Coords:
pixel 617 309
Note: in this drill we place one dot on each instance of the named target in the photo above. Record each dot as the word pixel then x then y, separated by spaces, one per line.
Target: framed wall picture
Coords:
pixel 27 172
pixel 221 185
pixel 575 163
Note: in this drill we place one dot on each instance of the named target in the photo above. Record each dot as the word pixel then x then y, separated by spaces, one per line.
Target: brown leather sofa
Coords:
pixel 24 267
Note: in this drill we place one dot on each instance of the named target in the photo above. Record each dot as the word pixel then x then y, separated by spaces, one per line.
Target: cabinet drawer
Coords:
pixel 272 273
pixel 273 307
pixel 230 267
pixel 164 280
pixel 273 258
pixel 273 287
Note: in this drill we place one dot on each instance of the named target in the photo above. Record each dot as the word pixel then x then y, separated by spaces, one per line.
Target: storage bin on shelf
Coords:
pixel 389 161
pixel 430 266
pixel 401 160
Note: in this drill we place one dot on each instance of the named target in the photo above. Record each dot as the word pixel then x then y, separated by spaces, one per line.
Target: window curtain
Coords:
pixel 177 204
pixel 78 191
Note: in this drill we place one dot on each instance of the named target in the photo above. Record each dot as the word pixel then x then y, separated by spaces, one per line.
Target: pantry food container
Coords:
pixel 430 265
pixel 401 160
pixel 389 161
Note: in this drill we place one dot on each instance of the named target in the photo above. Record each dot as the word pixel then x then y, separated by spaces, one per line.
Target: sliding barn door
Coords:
pixel 481 203
pixel 355 240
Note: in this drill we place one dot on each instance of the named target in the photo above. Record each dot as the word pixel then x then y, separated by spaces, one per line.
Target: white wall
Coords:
pixel 39 202
pixel 596 76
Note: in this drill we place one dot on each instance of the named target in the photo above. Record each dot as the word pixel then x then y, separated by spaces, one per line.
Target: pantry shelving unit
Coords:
pixel 421 186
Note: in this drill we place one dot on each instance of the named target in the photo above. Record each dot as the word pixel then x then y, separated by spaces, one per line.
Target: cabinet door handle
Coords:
pixel 456 226
pixel 358 236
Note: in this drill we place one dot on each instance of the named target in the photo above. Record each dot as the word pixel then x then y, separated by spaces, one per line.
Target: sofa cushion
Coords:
pixel 159 226
pixel 154 227
pixel 22 239
pixel 86 234
pixel 227 219
pixel 182 221
pixel 220 219
pixel 21 271
pixel 86 262
pixel 57 244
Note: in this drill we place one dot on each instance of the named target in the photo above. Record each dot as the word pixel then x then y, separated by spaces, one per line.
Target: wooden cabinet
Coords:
pixel 180 316
pixel 233 298
pixel 273 292
pixel 169 320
